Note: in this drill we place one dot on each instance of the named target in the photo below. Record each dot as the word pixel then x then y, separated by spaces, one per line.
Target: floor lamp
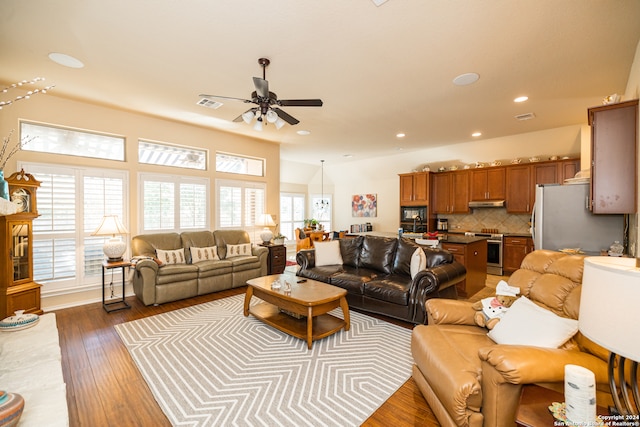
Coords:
pixel 610 316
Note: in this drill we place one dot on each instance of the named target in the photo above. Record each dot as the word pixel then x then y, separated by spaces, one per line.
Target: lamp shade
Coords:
pixel 110 226
pixel 609 314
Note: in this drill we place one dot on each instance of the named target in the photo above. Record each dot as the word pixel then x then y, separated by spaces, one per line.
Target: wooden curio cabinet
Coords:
pixel 18 291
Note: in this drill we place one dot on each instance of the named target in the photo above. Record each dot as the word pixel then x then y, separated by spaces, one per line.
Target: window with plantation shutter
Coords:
pixel 71 204
pixel 173 203
pixel 240 203
pixel 292 208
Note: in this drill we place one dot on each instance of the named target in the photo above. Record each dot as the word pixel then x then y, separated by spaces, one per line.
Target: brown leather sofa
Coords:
pixel 469 380
pixel 376 272
pixel 155 284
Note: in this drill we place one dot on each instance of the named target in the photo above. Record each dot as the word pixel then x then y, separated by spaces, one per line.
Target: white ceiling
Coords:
pixel 379 70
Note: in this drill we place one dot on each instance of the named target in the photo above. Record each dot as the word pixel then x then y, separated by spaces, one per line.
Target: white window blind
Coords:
pixel 162 153
pixel 233 163
pixel 71 204
pixel 240 203
pixel 173 203
pixel 291 213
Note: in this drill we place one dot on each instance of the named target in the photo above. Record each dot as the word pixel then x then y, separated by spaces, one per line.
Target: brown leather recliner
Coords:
pixel 469 380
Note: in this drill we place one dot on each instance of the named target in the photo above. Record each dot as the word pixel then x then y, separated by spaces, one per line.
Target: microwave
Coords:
pixel 409 213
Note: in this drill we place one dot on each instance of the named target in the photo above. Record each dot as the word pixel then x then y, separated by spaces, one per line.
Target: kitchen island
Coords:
pixel 470 251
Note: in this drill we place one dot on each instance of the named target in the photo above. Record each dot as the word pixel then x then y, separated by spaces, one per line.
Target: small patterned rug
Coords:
pixel 208 365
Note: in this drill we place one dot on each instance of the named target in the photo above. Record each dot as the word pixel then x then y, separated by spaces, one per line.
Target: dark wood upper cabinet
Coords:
pixel 414 189
pixel 614 174
pixel 487 184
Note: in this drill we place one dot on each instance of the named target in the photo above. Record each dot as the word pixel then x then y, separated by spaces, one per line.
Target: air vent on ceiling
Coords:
pixel 526 116
pixel 209 103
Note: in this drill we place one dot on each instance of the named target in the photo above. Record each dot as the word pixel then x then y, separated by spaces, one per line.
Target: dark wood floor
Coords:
pixel 104 387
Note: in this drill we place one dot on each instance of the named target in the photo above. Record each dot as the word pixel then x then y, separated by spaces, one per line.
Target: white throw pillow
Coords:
pixel 171 257
pixel 204 254
pixel 328 253
pixel 418 262
pixel 243 249
pixel 526 323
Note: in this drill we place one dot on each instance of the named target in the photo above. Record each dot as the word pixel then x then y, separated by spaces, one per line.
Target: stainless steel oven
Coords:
pixel 495 244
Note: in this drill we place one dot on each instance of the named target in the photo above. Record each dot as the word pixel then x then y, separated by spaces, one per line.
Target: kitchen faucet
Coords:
pixel 415 219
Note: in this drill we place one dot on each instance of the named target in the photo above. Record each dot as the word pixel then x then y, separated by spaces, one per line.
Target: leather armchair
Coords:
pixel 469 380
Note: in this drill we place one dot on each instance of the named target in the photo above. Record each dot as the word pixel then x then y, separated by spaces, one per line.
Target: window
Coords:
pixel 232 163
pixel 160 153
pixel 239 203
pixel 291 213
pixel 71 142
pixel 173 203
pixel 71 204
pixel 321 210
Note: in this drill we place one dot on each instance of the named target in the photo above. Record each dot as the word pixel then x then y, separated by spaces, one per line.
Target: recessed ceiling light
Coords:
pixel 303 132
pixel 466 79
pixel 66 60
pixel 348 156
pixel 521 99
pixel 400 135
pixel 476 134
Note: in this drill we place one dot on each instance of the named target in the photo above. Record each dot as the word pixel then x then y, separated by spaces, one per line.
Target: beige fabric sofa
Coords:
pixel 469 380
pixel 157 284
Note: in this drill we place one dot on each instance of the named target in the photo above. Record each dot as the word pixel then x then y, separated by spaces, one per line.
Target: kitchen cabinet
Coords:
pixel 450 192
pixel 614 176
pixel 521 181
pixel 487 184
pixel 519 189
pixel 515 249
pixel 414 189
pixel 473 256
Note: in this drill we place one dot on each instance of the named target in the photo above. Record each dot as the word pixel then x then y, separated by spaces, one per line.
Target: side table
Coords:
pixel 533 410
pixel 119 304
pixel 277 259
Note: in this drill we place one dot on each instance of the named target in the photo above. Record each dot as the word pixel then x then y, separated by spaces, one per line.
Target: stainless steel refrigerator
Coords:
pixel 561 219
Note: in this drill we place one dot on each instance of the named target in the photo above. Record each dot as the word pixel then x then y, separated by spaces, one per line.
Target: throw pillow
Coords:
pixel 204 254
pixel 526 323
pixel 418 262
pixel 328 253
pixel 171 257
pixel 243 249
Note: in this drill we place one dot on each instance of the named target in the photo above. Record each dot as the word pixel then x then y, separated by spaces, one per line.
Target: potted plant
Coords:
pixel 314 223
pixel 278 239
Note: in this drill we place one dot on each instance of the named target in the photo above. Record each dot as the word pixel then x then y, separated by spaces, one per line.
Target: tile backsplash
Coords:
pixel 496 218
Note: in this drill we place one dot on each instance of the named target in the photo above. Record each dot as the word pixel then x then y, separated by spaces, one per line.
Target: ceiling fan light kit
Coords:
pixel 266 100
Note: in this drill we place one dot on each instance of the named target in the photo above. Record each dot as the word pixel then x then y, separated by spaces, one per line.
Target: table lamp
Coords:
pixel 111 226
pixel 266 221
pixel 610 316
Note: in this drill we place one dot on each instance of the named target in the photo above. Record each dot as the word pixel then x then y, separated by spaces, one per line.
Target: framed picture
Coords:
pixel 364 205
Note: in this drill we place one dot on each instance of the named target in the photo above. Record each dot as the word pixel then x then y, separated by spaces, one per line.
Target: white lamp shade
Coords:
pixel 279 123
pixel 110 226
pixel 258 125
pixel 609 313
pixel 272 116
pixel 248 116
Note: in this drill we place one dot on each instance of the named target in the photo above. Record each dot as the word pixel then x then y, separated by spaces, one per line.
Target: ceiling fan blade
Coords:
pixel 203 95
pixel 300 102
pixel 286 117
pixel 239 118
pixel 262 87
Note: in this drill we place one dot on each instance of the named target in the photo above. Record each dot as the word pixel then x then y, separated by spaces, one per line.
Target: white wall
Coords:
pixel 633 92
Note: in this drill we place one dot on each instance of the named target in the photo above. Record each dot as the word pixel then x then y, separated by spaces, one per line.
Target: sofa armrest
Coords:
pixel 144 280
pixel 520 364
pixel 306 258
pixel 430 282
pixel 450 312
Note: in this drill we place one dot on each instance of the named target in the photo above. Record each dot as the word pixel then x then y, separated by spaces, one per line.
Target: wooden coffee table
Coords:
pixel 311 301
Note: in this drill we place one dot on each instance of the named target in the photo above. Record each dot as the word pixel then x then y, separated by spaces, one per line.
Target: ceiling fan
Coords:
pixel 267 103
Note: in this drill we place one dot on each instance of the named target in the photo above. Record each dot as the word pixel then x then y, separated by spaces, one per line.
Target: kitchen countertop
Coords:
pixel 458 238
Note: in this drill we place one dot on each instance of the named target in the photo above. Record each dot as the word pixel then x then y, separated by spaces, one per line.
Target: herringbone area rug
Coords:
pixel 208 365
